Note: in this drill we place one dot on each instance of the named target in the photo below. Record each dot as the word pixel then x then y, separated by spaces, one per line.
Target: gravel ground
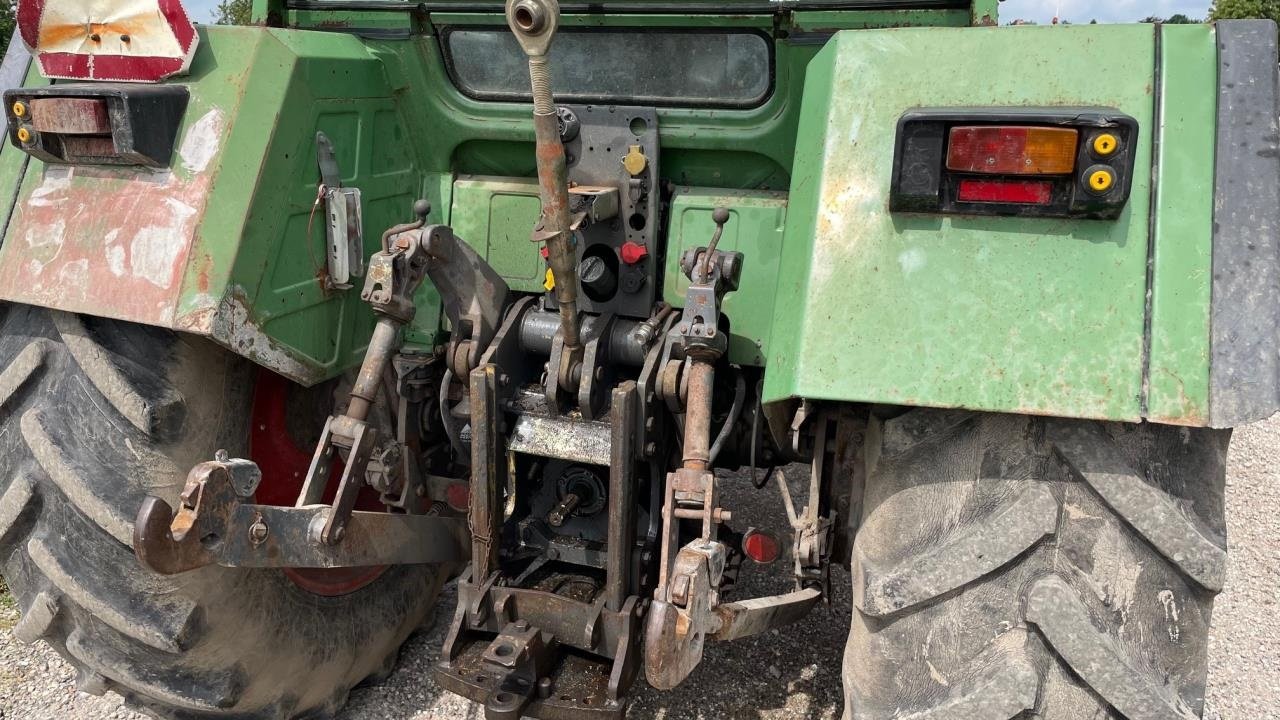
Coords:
pixel 794 673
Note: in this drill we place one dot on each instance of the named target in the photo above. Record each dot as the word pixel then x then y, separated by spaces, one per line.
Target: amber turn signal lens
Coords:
pixel 1012 150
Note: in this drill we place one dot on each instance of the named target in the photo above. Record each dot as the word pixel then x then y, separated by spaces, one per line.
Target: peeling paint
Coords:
pixel 105 241
pixel 234 326
pixel 155 250
pixel 202 142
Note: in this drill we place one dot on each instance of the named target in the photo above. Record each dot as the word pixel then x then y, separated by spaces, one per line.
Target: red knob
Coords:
pixel 633 253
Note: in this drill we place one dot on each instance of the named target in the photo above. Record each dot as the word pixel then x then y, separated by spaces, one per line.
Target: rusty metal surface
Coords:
pixel 745 618
pixel 562 437
pixel 605 644
pixel 218 524
pixel 488 468
pixel 622 486
pixel 579 691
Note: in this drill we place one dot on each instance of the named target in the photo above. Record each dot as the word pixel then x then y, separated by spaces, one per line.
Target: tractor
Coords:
pixel 303 319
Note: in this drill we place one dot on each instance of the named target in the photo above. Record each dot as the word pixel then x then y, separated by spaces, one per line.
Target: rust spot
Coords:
pixel 987 21
pixel 202 274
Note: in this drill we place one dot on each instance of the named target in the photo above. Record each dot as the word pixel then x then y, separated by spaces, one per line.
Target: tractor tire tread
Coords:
pixel 87 430
pixel 1017 567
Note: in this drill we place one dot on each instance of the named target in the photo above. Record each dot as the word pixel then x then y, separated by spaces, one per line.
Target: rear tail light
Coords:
pixel 1017 161
pixel 1012 150
pixel 98 123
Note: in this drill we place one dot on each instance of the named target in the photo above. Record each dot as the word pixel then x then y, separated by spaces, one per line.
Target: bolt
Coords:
pixel 258 532
pixel 544 687
pixel 420 491
pixel 95 37
pixel 649 423
pixel 338 533
pixel 651 449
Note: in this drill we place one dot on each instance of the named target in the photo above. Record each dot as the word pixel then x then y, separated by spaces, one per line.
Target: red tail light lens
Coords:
pixel 1012 150
pixel 1023 192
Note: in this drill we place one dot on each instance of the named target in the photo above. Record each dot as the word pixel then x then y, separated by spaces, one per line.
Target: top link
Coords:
pixel 534 24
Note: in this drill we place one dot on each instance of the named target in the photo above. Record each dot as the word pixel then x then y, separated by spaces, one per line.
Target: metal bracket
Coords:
pixel 473 293
pixel 574 685
pixel 217 523
pixel 682 616
pixel 344 225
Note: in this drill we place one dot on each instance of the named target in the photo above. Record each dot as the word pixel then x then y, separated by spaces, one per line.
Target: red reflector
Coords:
pixel 125 40
pixel 1012 150
pixel 458 496
pixel 760 546
pixel 1023 192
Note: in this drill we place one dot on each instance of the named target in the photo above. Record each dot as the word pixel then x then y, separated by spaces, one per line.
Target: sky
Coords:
pixel 1077 11
pixel 201 11
pixel 1082 11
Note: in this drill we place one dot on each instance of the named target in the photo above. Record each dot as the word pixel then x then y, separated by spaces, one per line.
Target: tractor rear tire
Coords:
pixel 96 414
pixel 1016 567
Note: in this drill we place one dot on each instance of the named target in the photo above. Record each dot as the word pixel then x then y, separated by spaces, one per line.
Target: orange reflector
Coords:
pixel 760 546
pixel 1012 150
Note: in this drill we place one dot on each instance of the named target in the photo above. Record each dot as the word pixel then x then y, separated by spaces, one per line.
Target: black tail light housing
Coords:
pixel 1096 186
pixel 97 123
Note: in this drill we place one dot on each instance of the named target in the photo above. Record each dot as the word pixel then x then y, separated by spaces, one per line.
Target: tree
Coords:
pixel 233 12
pixel 8 22
pixel 1244 9
pixel 1176 19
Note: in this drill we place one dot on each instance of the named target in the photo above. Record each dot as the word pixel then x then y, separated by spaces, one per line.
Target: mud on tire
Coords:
pixel 1014 567
pixel 95 414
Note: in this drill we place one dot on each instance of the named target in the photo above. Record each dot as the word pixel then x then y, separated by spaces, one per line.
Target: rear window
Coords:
pixel 731 69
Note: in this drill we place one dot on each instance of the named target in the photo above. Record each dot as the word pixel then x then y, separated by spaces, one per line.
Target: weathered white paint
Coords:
pixel 202 141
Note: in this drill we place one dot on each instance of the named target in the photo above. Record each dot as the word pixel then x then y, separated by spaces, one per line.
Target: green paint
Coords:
pixel 828 20
pixel 1178 388
pixel 841 299
pixel 496 217
pixel 1035 316
pixel 755 229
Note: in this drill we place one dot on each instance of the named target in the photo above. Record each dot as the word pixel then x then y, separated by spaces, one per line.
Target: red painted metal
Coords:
pixel 284 465
pixel 124 40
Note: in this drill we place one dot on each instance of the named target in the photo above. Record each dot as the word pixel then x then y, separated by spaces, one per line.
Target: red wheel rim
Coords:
pixel 284 466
